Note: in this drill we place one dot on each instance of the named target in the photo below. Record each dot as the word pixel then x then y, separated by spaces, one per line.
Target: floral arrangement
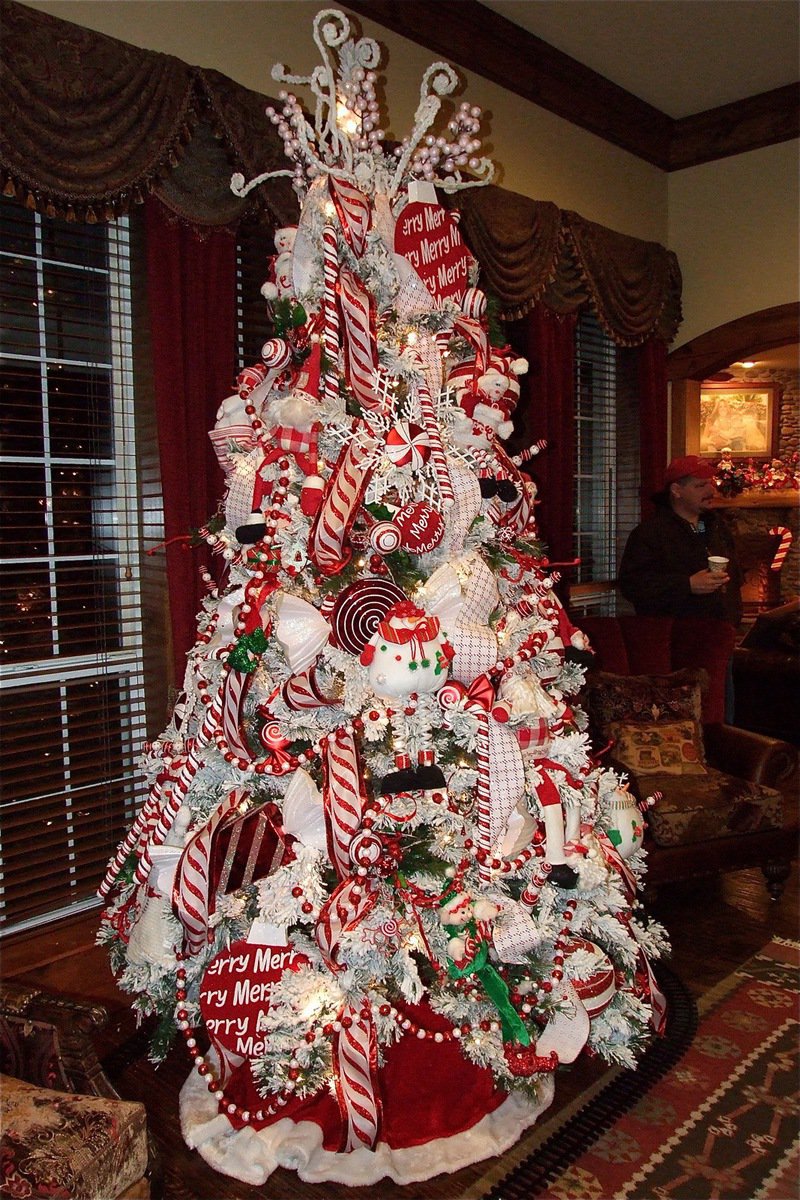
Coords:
pixel 733 478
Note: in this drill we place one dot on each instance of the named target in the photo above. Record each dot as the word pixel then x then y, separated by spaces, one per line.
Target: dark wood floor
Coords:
pixel 714 926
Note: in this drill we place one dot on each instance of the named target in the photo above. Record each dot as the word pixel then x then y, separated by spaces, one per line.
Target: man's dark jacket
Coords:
pixel 659 558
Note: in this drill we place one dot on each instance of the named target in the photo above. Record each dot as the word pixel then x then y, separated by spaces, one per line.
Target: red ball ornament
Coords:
pixel 421 527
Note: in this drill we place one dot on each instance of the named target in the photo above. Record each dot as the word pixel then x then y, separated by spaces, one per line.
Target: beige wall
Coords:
pixel 734 226
pixel 732 223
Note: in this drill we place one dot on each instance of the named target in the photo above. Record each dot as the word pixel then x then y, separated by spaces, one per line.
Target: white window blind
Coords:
pixel 71 689
pixel 607 459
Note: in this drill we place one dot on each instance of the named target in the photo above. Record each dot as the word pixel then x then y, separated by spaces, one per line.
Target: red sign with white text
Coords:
pixel 427 236
pixel 236 991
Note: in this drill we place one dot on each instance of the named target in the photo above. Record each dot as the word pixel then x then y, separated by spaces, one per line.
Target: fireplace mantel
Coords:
pixel 786 498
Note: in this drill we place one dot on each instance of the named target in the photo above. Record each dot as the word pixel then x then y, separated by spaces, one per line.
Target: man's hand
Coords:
pixel 702 583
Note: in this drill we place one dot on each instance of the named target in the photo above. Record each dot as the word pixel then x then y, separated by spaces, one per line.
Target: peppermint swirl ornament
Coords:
pixel 358 610
pixel 276 353
pixel 407 445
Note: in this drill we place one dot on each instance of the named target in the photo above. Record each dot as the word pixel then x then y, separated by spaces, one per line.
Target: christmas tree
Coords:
pixel 379 884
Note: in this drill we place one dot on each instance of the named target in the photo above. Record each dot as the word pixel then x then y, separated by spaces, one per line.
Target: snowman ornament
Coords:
pixel 408 656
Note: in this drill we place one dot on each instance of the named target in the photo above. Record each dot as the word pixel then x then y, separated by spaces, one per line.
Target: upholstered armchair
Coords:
pixel 65 1131
pixel 728 796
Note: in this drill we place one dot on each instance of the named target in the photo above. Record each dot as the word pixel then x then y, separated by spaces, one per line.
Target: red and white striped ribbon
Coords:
pixel 353 210
pixel 341 498
pixel 346 908
pixel 330 327
pixel 477 700
pixel 355 1069
pixel 190 890
pixel 343 796
pixel 780 531
pixel 303 691
pixel 234 690
pixel 438 456
pixel 359 341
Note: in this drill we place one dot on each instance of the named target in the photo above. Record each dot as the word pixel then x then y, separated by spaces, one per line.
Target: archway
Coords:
pixel 735 341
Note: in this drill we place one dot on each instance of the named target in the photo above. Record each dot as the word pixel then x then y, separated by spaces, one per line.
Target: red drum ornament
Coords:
pixel 236 990
pixel 596 985
pixel 421 527
pixel 407 445
pixel 358 610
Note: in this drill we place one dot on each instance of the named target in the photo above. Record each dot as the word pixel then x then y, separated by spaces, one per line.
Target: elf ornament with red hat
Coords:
pixel 375 825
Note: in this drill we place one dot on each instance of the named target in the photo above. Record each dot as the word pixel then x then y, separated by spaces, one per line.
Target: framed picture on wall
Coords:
pixel 739 418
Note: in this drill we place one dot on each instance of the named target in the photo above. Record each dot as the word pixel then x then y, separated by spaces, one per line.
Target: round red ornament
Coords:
pixel 421 527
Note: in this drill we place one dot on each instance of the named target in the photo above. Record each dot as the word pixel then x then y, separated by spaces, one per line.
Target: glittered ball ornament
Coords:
pixel 421 527
pixel 384 537
pixel 407 445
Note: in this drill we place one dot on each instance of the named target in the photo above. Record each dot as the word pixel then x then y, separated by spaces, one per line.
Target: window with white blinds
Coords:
pixel 607 458
pixel 71 687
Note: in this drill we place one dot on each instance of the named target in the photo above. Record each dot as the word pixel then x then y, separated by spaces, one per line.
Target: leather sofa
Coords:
pixel 729 796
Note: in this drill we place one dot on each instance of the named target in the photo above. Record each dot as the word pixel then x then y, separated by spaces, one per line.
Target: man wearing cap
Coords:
pixel 664 570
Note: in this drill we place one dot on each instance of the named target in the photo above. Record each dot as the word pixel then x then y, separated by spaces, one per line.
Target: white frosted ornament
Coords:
pixel 622 821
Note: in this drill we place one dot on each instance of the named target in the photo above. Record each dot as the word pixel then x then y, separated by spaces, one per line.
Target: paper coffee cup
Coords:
pixel 717 565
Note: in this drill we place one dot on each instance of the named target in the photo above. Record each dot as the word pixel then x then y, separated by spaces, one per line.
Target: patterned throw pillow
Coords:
pixel 608 697
pixel 658 747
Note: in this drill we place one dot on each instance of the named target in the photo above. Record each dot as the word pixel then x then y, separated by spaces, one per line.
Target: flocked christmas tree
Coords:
pixel 379 884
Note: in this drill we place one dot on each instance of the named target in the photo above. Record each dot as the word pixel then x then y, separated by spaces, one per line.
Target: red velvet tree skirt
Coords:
pixel 439 1113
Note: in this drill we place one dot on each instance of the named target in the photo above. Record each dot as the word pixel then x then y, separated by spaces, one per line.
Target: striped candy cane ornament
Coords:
pixel 780 531
pixel 344 797
pixel 330 327
pixel 190 890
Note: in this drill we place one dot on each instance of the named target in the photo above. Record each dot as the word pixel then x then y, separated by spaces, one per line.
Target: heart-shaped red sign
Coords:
pixel 236 990
pixel 427 236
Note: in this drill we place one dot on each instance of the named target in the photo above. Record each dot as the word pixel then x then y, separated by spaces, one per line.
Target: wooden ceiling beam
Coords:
pixel 477 38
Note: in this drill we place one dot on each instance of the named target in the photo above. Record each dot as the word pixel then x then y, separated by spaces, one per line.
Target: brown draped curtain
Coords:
pixel 543 265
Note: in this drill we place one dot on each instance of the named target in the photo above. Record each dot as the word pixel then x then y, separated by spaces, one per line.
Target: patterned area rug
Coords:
pixel 721 1124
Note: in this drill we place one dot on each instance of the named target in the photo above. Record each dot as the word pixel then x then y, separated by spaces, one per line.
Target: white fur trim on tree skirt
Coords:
pixel 252 1156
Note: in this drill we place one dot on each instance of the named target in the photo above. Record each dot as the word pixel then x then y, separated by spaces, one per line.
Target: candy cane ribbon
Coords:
pixel 359 341
pixel 478 699
pixel 234 690
pixel 355 1069
pixel 190 892
pixel 343 796
pixel 340 500
pixel 353 210
pixel 347 907
pixel 438 456
pixel 303 691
